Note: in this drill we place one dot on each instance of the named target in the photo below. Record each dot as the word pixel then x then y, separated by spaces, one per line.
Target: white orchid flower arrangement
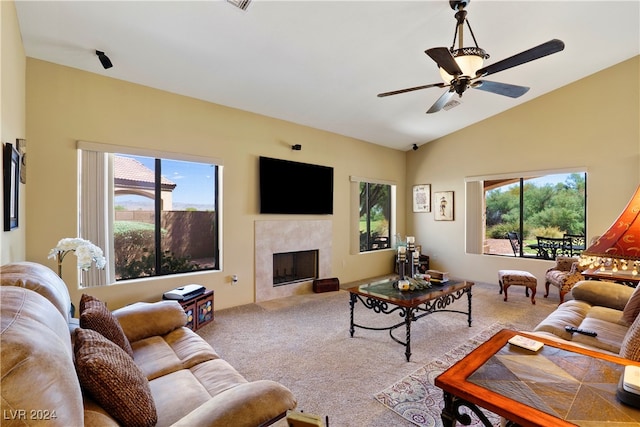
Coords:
pixel 86 252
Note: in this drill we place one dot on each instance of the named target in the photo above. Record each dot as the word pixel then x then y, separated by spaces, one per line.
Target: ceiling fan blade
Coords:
pixel 445 60
pixel 548 48
pixel 411 89
pixel 441 102
pixel 505 89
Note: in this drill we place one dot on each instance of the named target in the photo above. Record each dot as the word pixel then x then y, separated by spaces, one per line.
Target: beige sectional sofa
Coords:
pixel 161 373
pixel 607 308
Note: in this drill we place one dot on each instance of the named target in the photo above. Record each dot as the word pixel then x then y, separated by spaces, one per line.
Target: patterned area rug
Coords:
pixel 417 399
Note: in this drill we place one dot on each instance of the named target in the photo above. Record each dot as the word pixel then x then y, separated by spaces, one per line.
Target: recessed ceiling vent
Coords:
pixel 242 4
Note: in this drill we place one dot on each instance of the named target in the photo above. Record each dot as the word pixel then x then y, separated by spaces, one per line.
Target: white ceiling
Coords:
pixel 321 63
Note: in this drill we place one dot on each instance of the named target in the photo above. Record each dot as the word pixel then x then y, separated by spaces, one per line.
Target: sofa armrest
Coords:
pixel 246 405
pixel 142 319
pixel 605 294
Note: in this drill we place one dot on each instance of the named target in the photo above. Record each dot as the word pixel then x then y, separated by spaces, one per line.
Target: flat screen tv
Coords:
pixel 288 187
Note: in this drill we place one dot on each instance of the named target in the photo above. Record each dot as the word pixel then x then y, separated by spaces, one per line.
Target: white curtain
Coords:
pixel 96 212
pixel 474 212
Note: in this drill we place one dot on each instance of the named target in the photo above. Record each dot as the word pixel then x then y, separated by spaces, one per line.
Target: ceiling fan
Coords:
pixel 462 68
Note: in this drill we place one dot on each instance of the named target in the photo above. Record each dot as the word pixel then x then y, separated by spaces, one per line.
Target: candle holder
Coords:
pixel 415 256
pixel 411 243
pixel 402 262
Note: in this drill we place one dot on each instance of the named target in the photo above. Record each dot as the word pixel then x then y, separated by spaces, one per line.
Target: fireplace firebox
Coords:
pixel 295 267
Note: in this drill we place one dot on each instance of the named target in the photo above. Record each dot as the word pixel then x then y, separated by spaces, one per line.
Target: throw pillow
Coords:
pixel 113 379
pixel 630 348
pixel 632 308
pixel 95 315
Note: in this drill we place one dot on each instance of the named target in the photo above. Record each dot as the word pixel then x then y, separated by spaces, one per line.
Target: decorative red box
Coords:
pixel 326 285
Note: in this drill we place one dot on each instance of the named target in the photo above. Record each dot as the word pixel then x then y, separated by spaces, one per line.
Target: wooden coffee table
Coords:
pixel 560 385
pixel 383 297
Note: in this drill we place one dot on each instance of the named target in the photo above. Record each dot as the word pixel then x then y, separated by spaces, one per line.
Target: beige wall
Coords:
pixel 12 120
pixel 65 105
pixel 592 123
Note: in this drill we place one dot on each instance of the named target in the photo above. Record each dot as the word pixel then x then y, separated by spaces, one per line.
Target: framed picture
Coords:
pixel 422 198
pixel 22 150
pixel 11 181
pixel 444 205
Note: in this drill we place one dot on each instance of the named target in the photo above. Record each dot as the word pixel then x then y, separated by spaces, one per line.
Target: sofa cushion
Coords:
pixel 95 315
pixel 36 360
pixel 606 294
pixel 610 334
pixel 176 395
pixel 40 279
pixel 213 393
pixel 632 308
pixel 111 377
pixel 179 349
pixel 630 348
pixel 570 313
pixel 142 319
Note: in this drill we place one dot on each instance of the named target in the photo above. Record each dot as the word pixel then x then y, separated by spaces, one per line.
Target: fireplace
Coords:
pixel 290 236
pixel 294 267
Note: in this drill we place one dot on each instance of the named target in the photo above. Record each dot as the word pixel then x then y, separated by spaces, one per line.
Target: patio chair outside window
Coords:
pixel 576 243
pixel 515 241
pixel 552 247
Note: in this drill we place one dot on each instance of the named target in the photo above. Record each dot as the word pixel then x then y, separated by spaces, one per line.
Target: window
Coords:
pixel 161 214
pixel 524 215
pixel 375 216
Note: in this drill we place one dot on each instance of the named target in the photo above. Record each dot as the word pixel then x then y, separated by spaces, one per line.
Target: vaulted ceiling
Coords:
pixel 321 63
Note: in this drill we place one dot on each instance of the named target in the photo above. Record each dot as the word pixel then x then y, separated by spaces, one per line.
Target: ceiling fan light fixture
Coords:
pixel 469 59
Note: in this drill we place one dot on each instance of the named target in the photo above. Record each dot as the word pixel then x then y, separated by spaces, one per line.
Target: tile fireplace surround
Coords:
pixel 289 236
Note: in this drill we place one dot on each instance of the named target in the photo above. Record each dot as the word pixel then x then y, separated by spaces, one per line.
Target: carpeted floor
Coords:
pixel 416 397
pixel 304 343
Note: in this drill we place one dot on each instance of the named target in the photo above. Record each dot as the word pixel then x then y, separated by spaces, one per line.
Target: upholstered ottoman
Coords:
pixel 508 278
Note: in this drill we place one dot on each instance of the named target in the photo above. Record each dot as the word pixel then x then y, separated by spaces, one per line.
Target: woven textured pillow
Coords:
pixel 111 377
pixel 95 315
pixel 632 308
pixel 630 348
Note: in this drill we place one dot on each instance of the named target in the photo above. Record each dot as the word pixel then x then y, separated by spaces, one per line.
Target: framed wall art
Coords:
pixel 443 201
pixel 11 182
pixel 22 150
pixel 422 198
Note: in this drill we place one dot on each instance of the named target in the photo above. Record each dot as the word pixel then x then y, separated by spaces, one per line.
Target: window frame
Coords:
pixel 104 234
pixel 355 213
pixel 475 209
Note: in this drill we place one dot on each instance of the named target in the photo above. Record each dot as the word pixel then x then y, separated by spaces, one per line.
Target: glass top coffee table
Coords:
pixel 559 385
pixel 382 297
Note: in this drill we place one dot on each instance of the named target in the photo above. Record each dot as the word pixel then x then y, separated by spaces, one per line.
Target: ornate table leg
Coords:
pixel 352 303
pixel 452 413
pixel 469 305
pixel 448 415
pixel 408 318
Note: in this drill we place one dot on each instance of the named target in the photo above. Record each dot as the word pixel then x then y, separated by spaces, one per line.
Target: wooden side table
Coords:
pixel 625 279
pixel 553 387
pixel 199 310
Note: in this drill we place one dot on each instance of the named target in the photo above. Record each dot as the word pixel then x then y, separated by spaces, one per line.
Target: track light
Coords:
pixel 415 147
pixel 104 59
pixel 296 147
